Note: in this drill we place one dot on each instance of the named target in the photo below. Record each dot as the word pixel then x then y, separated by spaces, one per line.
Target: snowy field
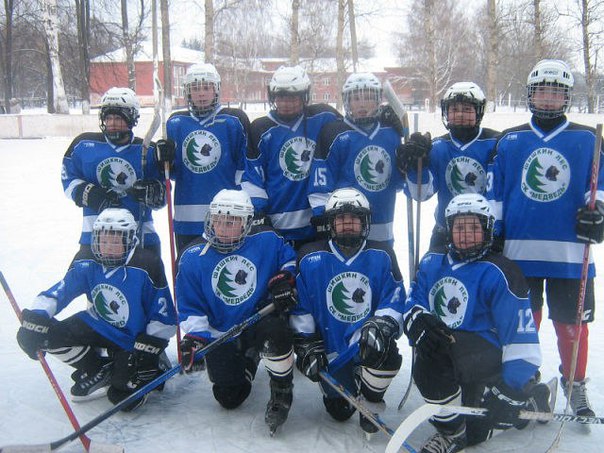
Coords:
pixel 39 231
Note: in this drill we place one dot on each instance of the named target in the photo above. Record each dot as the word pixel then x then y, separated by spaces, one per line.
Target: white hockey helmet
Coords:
pixel 197 75
pixel 470 204
pixel 467 93
pixel 348 201
pixel 229 205
pixel 122 102
pixel 362 82
pixel 556 75
pixel 112 223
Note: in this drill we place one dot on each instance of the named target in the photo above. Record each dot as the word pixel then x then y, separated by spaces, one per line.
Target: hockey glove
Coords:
pixel 430 336
pixel 504 405
pixel 282 288
pixel 189 346
pixel 260 219
pixel 388 117
pixel 498 244
pixel 95 197
pixel 310 356
pixel 590 224
pixel 33 333
pixel 144 360
pixel 150 192
pixel 378 335
pixel 321 225
pixel 165 151
pixel 415 149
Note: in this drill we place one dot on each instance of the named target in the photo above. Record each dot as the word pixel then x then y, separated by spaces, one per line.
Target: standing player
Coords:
pixel 282 146
pixel 469 318
pixel 541 178
pixel 223 278
pixel 111 169
pixel 130 314
pixel 206 149
pixel 350 311
pixel 359 152
pixel 455 163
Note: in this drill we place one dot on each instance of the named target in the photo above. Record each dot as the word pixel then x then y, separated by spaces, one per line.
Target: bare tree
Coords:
pixel 340 50
pixel 7 52
pixel 353 34
pixel 166 54
pixel 538 42
pixel 295 33
pixel 209 31
pixel 83 14
pixel 51 22
pixel 492 51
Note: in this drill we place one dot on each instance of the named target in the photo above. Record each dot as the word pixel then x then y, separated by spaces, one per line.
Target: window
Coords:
pixel 178 78
pixel 326 96
pixel 326 81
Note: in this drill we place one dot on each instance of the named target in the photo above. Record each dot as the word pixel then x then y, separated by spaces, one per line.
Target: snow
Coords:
pixel 40 229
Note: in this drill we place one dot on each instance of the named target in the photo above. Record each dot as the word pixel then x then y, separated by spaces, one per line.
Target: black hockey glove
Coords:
pixel 430 336
pixel 504 405
pixel 95 197
pixel 33 333
pixel 150 192
pixel 144 360
pixel 260 218
pixel 310 356
pixel 321 225
pixel 189 346
pixel 417 148
pixel 388 117
pixel 282 288
pixel 165 151
pixel 590 224
pixel 378 335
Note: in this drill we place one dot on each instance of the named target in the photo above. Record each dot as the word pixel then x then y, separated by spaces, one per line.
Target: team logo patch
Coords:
pixel 545 175
pixel 465 175
pixel 115 173
pixel 201 151
pixel 372 168
pixel 449 300
pixel 295 158
pixel 110 305
pixel 234 279
pixel 348 297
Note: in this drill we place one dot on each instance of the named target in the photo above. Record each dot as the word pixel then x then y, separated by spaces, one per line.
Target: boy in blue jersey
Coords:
pixel 455 163
pixel 223 278
pixel 541 183
pixel 205 148
pixel 350 308
pixel 360 151
pixel 130 314
pixel 282 146
pixel 469 318
pixel 111 169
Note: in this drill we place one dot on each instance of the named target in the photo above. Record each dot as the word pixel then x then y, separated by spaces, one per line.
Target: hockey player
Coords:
pixel 130 314
pixel 205 148
pixel 359 152
pixel 469 318
pixel 111 169
pixel 541 178
pixel 223 278
pixel 349 315
pixel 455 163
pixel 282 145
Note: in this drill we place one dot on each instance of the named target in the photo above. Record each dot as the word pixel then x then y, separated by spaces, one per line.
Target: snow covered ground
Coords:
pixel 39 230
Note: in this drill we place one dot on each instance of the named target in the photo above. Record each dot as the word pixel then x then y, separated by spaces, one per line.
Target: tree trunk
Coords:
pixel 166 55
pixel 431 39
pixel 538 42
pixel 51 24
pixel 7 50
pixel 353 35
pixel 128 47
pixel 209 31
pixel 83 13
pixel 589 70
pixel 492 51
pixel 340 52
pixel 295 36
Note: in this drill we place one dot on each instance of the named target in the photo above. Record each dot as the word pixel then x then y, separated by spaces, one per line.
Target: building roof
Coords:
pixel 177 53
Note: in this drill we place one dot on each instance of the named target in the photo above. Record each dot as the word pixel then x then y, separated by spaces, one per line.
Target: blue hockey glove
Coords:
pixel 33 333
pixel 310 356
pixel 590 224
pixel 378 335
pixel 282 288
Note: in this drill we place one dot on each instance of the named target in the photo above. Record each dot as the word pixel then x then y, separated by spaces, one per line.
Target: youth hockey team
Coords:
pixel 296 209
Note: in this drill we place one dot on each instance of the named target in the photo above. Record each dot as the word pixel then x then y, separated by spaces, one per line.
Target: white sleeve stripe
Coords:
pixel 317 200
pixel 302 323
pixel 199 324
pixel 529 352
pixel 160 330
pixel 253 190
pixel 48 304
pixel 72 185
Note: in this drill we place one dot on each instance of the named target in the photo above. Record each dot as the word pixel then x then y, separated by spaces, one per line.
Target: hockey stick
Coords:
pixel 593 188
pixel 232 332
pixel 88 444
pixel 367 413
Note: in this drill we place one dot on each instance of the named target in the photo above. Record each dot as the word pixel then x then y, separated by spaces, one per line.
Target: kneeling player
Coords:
pixel 223 278
pixel 469 318
pixel 350 308
pixel 130 314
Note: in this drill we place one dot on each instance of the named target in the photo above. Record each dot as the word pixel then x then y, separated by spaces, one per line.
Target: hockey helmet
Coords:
pixel 348 201
pixel 228 209
pixel 558 79
pixel 114 236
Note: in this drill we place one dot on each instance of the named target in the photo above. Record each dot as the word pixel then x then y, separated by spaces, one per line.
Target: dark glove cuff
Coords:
pixel 150 344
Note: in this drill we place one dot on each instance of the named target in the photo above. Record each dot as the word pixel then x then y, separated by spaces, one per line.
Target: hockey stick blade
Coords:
pixel 95 447
pixel 397 106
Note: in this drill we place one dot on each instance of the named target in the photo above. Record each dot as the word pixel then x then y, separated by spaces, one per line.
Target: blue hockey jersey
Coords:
pixel 539 181
pixel 210 156
pixel 455 168
pixel 92 159
pixel 280 155
pixel 347 156
pixel 488 297
pixel 215 291
pixel 123 302
pixel 336 294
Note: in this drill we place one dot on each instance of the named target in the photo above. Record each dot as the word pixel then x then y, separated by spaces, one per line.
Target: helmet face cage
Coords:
pixel 289 80
pixel 365 86
pixel 229 206
pixel 113 226
pixel 554 78
pixel 122 102
pixel 466 93
pixel 347 239
pixel 198 76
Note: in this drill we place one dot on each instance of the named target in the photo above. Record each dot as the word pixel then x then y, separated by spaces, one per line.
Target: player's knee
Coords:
pixel 340 409
pixel 231 396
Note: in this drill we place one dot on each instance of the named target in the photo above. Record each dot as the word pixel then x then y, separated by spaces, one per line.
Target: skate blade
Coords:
pixel 100 393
